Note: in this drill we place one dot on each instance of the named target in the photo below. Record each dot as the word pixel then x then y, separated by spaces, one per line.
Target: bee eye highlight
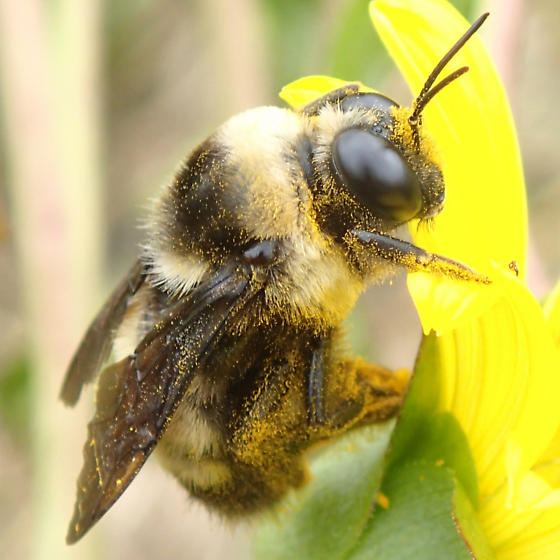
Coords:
pixel 377 174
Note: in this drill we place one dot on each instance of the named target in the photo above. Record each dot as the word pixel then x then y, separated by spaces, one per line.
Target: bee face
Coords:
pixel 367 152
pixel 377 160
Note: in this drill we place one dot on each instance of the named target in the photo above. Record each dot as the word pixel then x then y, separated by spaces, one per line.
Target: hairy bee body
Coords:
pixel 256 190
pixel 243 185
pixel 225 333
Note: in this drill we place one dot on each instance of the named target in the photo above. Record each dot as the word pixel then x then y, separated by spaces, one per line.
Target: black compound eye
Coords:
pixel 377 174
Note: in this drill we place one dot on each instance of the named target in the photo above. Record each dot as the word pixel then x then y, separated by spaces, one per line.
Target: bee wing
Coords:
pixel 96 344
pixel 138 395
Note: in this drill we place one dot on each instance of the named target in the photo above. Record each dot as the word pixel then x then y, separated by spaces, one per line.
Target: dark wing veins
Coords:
pixel 137 396
pixel 98 340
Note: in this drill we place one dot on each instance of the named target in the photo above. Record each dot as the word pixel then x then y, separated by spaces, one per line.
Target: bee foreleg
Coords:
pixel 415 259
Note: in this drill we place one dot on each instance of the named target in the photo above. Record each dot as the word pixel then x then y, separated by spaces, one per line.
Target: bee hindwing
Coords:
pixel 137 396
pixel 98 340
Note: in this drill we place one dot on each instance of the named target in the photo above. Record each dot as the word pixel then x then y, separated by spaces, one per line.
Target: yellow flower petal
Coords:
pixel 485 211
pixel 527 490
pixel 533 493
pixel 548 463
pixel 514 454
pixel 545 546
pixel 500 379
pixel 499 366
pixel 456 303
pixel 549 470
pixel 539 415
pixel 551 311
pixel 531 535
pixel 300 93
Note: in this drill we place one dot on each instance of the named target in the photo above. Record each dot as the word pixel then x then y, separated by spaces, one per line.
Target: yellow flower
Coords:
pixel 500 373
pixel 498 361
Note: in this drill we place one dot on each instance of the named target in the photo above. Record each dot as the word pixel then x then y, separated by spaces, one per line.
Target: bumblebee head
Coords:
pixel 376 152
pixel 379 161
pixel 372 169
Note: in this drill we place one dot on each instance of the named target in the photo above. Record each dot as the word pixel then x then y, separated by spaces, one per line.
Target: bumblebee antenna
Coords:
pixel 426 94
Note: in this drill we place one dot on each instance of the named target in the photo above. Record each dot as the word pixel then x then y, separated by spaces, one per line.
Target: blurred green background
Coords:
pixel 99 102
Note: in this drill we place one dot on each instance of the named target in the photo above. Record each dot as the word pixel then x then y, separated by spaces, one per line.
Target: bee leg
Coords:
pixel 315 385
pixel 336 397
pixel 357 393
pixel 265 451
pixel 415 259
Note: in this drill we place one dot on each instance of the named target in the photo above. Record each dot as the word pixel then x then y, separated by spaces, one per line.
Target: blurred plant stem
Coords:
pixel 507 20
pixel 245 60
pixel 50 61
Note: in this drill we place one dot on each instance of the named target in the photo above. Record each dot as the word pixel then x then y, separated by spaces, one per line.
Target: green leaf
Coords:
pixel 356 52
pixel 15 387
pixel 325 519
pixel 419 522
pixel 291 30
pixel 468 8
pixel 425 433
pixel 467 523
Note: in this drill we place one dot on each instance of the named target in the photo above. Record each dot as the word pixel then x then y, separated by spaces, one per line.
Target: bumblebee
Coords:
pixel 225 334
